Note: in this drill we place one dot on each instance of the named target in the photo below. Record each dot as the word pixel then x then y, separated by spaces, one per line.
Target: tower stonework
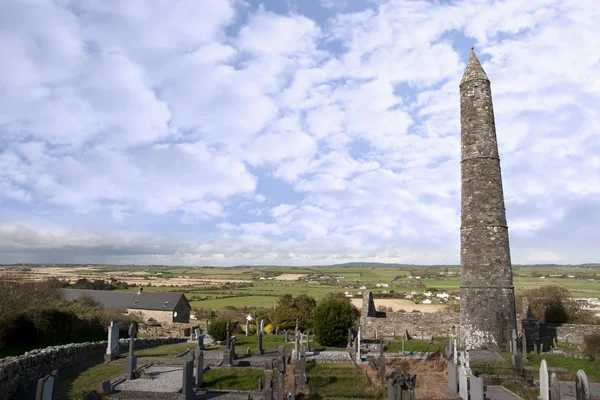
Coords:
pixel 487 299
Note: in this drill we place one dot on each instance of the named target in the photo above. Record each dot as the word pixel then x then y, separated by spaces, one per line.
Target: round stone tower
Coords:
pixel 487 300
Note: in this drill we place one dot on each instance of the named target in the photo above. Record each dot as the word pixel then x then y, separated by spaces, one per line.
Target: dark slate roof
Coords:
pixel 165 301
pixel 474 70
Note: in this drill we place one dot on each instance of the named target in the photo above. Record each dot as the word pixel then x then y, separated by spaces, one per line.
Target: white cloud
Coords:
pixel 182 111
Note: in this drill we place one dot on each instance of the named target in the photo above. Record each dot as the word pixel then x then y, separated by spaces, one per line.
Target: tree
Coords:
pixel 218 329
pixel 289 309
pixel 331 320
pixel 554 304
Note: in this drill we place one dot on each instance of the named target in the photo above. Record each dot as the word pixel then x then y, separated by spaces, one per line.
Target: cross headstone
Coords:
pixel 112 348
pixel 131 360
pixel 544 388
pixel 582 387
pixel 452 383
pixel 463 385
pixel 514 341
pixel 247 327
pixel 199 369
pixel 45 386
pixel 554 387
pixel 188 380
pixel 476 387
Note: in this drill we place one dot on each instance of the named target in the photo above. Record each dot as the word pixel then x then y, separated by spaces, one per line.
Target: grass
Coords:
pixel 572 365
pixel 339 381
pixel 395 346
pixel 232 380
pixel 167 350
pixel 271 342
pixel 73 386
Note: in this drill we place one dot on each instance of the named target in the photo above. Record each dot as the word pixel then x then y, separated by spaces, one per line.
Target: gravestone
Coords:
pixel 349 345
pixel 514 342
pixel 131 360
pixel 199 369
pixel 45 386
pixel 381 363
pixel 106 388
pixel 535 348
pixel 286 338
pixel 201 342
pixel 463 383
pixel 544 389
pixel 188 380
pixel 452 382
pixel 554 387
pixel 391 388
pixel 517 362
pixel 476 388
pixel 554 342
pixel 403 344
pixel 260 384
pixel 524 346
pixel 455 352
pixel 467 359
pixel 293 387
pixel 296 347
pixel 197 333
pixel 260 343
pixel 280 387
pixel 277 331
pixel 247 327
pixel 308 341
pixel 227 329
pixel 358 359
pixel 232 347
pixel 582 387
pixel 112 348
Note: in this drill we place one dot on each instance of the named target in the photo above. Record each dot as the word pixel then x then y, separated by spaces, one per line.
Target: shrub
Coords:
pixel 331 320
pixel 592 347
pixel 218 329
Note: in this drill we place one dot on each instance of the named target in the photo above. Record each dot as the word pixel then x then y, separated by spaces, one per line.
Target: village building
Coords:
pixel 163 307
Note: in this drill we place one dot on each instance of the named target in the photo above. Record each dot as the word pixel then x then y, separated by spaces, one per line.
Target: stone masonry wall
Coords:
pixel 395 323
pixel 17 373
pixel 164 317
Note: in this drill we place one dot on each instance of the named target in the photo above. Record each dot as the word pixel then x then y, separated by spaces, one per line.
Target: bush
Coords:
pixel 592 347
pixel 218 329
pixel 331 320
pixel 553 304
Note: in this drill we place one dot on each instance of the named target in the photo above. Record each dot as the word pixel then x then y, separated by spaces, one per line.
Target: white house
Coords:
pixel 442 295
pixel 383 285
pixel 427 293
pixel 426 301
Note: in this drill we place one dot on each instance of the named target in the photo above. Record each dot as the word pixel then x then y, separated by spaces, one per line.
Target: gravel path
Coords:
pixel 166 380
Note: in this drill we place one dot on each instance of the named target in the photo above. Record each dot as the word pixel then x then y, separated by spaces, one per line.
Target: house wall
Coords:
pixel 164 317
pixel 17 373
pixel 183 312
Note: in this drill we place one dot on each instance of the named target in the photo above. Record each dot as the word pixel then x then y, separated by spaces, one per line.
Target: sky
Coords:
pixel 290 132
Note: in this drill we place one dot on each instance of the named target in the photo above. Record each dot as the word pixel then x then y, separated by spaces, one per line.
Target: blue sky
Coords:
pixel 289 132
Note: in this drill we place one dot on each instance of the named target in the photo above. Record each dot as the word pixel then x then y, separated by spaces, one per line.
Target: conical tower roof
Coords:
pixel 474 70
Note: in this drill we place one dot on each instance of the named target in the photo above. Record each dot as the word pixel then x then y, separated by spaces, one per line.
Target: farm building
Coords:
pixel 164 307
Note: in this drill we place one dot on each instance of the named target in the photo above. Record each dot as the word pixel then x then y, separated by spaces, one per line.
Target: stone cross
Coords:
pixel 132 333
pixel 554 387
pixel 463 385
pixel 514 342
pixel 476 387
pixel 112 349
pixel 544 389
pixel 247 327
pixel 188 380
pixel 452 383
pixel 582 387
pixel 45 387
pixel 199 368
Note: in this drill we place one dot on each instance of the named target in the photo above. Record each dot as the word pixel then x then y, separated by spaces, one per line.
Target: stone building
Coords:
pixel 163 307
pixel 487 303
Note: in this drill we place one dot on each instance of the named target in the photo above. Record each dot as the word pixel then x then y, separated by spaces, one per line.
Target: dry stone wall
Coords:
pixel 428 324
pixel 16 373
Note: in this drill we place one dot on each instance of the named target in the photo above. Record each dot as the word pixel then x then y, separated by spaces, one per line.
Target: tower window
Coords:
pixel 476 91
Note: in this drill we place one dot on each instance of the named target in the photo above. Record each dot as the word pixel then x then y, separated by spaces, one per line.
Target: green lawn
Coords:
pixel 232 380
pixel 271 342
pixel 395 346
pixel 591 368
pixel 167 350
pixel 339 381
pixel 73 386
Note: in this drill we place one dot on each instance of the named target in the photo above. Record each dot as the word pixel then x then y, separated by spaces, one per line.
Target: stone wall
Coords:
pixel 571 333
pixel 164 317
pixel 395 323
pixel 17 373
